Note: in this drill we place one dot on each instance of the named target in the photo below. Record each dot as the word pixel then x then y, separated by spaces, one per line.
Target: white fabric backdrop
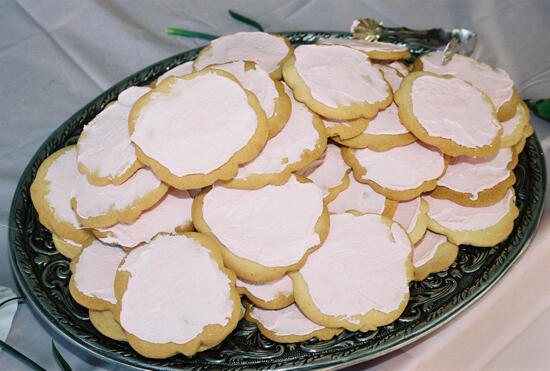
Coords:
pixel 56 56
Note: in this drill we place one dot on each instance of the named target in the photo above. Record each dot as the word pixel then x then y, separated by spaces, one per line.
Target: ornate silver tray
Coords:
pixel 43 274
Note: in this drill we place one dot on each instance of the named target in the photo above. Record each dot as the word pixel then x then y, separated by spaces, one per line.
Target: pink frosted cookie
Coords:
pixel 345 129
pixel 355 88
pixel 104 206
pixel 196 129
pixel 104 151
pixel 478 181
pixel 267 50
pixel 265 232
pixel 477 226
pixel 399 66
pixel 171 215
pixel 68 248
pixel 271 94
pixel 362 198
pixel 93 279
pixel 51 195
pixel 392 76
pixel 449 113
pixel 374 49
pixel 180 70
pixel 302 140
pixel 359 278
pixel 274 294
pixel 288 325
pixel 494 82
pixel 433 253
pixel 412 215
pixel 513 129
pixel 155 285
pixel 329 172
pixel 400 173
pixel 383 132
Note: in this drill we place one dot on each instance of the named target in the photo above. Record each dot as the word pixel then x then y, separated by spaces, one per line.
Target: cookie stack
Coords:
pixel 311 202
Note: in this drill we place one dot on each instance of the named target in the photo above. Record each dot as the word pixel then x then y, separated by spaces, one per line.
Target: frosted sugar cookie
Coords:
pixel 494 82
pixel 391 75
pixel 400 173
pixel 329 172
pixel 400 66
pixel 104 151
pixel 448 113
pixel 274 294
pixel 288 325
pixel 383 132
pixel 412 215
pixel 374 49
pixel 93 279
pixel 513 129
pixel 266 232
pixel 68 248
pixel 196 129
pixel 156 313
pixel 267 50
pixel 477 226
pixel 104 206
pixel 105 323
pixel 345 129
pixel 355 88
pixel 362 198
pixel 51 195
pixel 270 93
pixel 180 70
pixel 359 278
pixel 433 253
pixel 477 181
pixel 171 215
pixel 302 140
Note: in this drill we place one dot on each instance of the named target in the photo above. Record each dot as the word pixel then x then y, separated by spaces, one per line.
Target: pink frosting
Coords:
pixel 96 269
pixel 328 171
pixel 386 122
pixel 198 126
pixel 475 174
pixel 94 201
pixel 391 76
pixel 398 66
pixel 287 321
pixel 360 267
pixel 426 248
pixel 352 78
pixel 180 70
pixel 62 176
pixel 268 291
pixel 171 212
pixel 158 310
pixel 407 213
pixel 495 82
pixel 358 196
pixel 463 218
pixel 364 45
pixel 454 109
pixel 401 168
pixel 260 47
pixel 273 226
pixel 509 126
pixel 104 146
pixel 288 147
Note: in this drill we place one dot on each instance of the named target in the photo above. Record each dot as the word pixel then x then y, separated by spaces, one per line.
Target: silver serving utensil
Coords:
pixel 418 41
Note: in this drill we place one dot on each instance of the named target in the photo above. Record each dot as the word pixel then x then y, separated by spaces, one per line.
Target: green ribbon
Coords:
pixel 248 21
pixel 541 108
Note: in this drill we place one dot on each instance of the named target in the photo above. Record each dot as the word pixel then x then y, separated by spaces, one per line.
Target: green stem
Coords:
pixel 20 356
pixel 248 21
pixel 60 360
pixel 199 35
pixel 11 299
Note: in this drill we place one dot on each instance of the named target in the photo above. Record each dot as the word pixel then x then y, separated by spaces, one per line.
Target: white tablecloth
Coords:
pixel 55 56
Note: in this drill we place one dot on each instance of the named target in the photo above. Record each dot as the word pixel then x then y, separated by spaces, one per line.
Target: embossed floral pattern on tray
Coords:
pixel 43 274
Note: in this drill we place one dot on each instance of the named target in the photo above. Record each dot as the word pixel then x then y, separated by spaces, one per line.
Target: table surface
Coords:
pixel 57 56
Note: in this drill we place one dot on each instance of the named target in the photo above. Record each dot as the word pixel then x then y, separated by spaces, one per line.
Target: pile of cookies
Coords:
pixel 308 186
